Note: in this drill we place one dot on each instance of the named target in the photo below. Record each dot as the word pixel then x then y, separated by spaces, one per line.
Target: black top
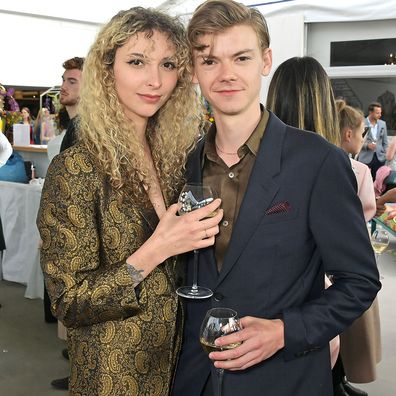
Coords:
pixel 70 137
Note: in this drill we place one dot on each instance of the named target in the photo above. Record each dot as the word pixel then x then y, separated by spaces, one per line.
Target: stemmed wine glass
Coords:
pixel 194 196
pixel 379 241
pixel 218 322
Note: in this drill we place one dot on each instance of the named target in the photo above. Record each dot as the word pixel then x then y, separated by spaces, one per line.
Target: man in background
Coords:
pixel 70 96
pixel 374 149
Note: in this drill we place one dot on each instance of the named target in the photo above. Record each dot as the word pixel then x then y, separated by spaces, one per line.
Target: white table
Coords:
pixel 37 154
pixel 19 205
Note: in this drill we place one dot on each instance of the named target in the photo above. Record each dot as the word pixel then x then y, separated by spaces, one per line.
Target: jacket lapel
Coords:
pixel 262 187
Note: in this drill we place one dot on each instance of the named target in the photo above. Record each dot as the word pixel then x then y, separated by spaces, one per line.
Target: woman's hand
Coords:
pixel 194 230
pixel 178 234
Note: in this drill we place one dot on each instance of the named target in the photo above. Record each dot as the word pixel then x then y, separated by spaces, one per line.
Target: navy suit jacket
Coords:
pixel 276 261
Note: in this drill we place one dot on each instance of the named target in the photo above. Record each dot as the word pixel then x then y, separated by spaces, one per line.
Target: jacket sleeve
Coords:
pixel 83 291
pixel 343 246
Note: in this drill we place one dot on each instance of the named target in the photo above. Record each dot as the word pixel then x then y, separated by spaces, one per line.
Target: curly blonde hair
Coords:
pixel 106 132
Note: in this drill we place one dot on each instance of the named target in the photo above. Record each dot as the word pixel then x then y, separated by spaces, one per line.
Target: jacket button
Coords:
pixel 218 296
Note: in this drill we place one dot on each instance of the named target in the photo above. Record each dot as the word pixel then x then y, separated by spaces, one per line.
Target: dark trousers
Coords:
pixel 338 372
pixel 48 317
pixel 2 241
pixel 208 390
pixel 374 165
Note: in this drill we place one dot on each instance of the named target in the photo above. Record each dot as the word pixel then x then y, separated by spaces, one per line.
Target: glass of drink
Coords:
pixel 379 241
pixel 217 323
pixel 194 196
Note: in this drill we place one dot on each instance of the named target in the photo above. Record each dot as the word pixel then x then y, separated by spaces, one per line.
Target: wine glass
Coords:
pixel 218 322
pixel 379 241
pixel 194 196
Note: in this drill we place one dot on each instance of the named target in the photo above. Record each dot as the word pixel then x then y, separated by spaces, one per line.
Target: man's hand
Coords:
pixel 372 146
pixel 261 338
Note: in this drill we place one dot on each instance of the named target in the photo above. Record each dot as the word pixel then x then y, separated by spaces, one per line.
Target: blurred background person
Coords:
pixel 300 94
pixel 47 131
pixel 352 129
pixel 68 120
pixel 70 96
pixel 37 128
pixel 27 120
pixel 373 152
pixel 361 342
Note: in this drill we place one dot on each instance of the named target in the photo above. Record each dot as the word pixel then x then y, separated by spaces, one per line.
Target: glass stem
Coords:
pixel 195 270
pixel 220 376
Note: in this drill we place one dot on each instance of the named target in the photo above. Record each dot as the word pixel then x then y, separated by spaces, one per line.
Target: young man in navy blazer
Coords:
pixel 291 214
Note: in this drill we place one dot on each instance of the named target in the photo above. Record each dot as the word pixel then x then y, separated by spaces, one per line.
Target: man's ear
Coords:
pixel 267 61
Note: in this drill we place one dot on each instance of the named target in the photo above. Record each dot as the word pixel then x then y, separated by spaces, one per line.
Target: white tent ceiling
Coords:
pixel 40 35
pixel 314 10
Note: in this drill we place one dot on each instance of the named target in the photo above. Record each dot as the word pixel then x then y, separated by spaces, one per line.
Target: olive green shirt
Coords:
pixel 230 183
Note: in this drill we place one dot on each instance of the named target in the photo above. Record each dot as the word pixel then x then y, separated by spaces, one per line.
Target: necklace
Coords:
pixel 224 152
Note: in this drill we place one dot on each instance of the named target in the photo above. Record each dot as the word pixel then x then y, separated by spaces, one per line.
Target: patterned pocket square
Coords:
pixel 280 207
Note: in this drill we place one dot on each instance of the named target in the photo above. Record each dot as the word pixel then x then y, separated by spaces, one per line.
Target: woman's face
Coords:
pixel 145 75
pixel 357 139
pixel 25 114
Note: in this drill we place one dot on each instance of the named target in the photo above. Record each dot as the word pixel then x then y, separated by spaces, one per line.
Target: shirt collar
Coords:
pixel 252 144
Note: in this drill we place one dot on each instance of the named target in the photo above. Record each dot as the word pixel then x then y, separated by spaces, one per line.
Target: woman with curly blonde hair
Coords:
pixel 108 237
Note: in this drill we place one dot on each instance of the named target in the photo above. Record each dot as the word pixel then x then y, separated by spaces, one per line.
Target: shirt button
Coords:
pixel 231 175
pixel 225 223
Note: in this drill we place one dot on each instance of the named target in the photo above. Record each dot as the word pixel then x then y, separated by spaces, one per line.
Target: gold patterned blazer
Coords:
pixel 122 340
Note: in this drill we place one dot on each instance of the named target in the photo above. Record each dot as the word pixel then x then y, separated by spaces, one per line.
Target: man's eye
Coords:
pixel 243 58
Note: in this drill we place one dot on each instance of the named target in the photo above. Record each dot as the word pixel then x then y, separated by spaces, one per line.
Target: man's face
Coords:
pixel 229 70
pixel 376 113
pixel 70 89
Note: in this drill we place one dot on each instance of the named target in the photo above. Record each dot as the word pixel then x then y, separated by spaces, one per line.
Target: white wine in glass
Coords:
pixel 217 323
pixel 379 241
pixel 192 197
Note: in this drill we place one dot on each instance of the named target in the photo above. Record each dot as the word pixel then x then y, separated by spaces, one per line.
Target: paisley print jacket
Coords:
pixel 122 340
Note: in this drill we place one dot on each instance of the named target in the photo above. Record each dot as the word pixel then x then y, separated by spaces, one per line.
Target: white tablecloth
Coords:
pixel 19 205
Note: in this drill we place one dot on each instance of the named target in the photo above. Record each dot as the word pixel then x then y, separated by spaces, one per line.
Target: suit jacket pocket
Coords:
pixel 278 218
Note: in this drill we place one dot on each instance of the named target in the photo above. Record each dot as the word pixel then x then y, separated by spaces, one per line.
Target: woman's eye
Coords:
pixel 170 65
pixel 135 62
pixel 208 61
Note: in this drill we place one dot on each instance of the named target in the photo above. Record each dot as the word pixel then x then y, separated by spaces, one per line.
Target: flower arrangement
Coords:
pixel 208 111
pixel 12 115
